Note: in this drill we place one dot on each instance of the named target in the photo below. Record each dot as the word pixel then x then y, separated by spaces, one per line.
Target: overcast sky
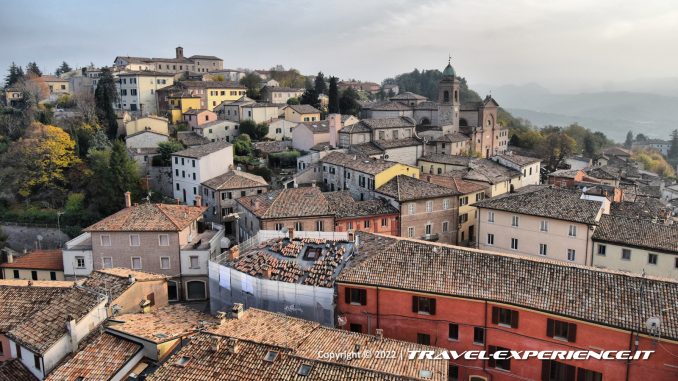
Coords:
pixel 563 45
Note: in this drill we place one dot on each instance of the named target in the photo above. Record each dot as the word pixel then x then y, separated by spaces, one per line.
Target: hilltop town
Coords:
pixel 170 218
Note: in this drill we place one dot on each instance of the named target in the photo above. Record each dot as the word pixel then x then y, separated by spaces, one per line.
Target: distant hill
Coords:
pixel 614 113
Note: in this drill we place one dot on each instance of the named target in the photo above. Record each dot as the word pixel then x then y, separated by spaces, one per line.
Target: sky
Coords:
pixel 563 45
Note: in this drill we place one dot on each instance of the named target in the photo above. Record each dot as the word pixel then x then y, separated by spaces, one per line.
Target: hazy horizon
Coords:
pixel 561 45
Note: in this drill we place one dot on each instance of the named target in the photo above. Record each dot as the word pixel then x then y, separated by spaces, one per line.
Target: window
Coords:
pixel 652 258
pixel 16 274
pixel 134 240
pixel 602 249
pixel 105 240
pixel 17 347
pixel 571 255
pixel 355 296
pixel 136 263
pixel 172 292
pixel 543 249
pixel 515 221
pixel 429 206
pixel 384 222
pixel 195 290
pixel 356 328
pixel 452 372
pixel 446 203
pixel 561 330
pixel 588 375
pixel 626 254
pixel 80 262
pixel 490 239
pixel 490 216
pixel 514 243
pixel 463 218
pixel 194 264
pixel 2 350
pixel 319 226
pixel 423 305
pixel 52 275
pixel 304 370
pixel 504 364
pixel 34 275
pixel 478 335
pixel 573 231
pixel 544 226
pixel 463 201
pixel 446 226
pixel 453 331
pixel 165 263
pixel 278 226
pixel 366 224
pixel 556 371
pixel 107 262
pixel 163 239
pixel 412 207
pixel 505 317
pixel 423 339
pixel 410 232
pixel 36 361
pixel 298 226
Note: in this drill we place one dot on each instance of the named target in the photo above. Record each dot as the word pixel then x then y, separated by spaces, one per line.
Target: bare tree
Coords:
pixel 86 105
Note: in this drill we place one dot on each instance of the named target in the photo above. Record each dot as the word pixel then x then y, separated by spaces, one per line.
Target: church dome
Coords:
pixel 449 71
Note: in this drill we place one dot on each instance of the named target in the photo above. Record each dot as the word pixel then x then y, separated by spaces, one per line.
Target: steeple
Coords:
pixel 448 98
pixel 449 70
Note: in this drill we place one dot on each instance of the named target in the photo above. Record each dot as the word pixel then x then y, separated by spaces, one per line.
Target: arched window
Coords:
pixel 446 96
pixel 463 122
pixel 195 290
pixel 456 96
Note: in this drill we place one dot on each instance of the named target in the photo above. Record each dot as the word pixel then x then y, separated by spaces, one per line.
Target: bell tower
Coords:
pixel 448 99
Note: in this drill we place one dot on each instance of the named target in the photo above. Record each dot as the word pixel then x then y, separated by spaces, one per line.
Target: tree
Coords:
pixel 673 150
pixel 333 106
pixel 251 81
pixel 253 130
pixel 63 69
pixel 320 85
pixel 242 145
pixel 85 103
pixel 166 149
pixel 310 97
pixel 348 102
pixel 105 95
pixel 641 138
pixel 629 140
pixel 293 101
pixel 556 147
pixel 32 69
pixel 113 174
pixel 15 74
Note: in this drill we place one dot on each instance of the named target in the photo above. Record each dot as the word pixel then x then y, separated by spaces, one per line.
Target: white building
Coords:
pixel 218 130
pixel 137 90
pixel 529 167
pixel 280 129
pixel 194 165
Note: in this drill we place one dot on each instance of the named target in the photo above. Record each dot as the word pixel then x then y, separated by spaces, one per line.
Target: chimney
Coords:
pixel 335 127
pixel 10 257
pixel 198 200
pixel 268 271
pixel 128 199
pixel 177 201
pixel 234 253
pixel 232 345
pixel 380 333
pixel 70 327
pixel 145 306
pixel 221 316
pixel 237 311
pixel 290 232
pixel 215 343
pixel 180 52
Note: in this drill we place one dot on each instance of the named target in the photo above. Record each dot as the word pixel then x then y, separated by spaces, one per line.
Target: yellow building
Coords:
pixel 218 94
pixel 185 95
pixel 150 123
pixel 36 265
pixel 302 113
pixel 179 104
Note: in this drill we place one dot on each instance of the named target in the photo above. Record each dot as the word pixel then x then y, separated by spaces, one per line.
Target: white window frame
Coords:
pixel 516 244
pixel 101 238
pixel 574 255
pixel 160 239
pixel 446 203
pixel 103 262
pixel 190 262
pixel 84 262
pixel 411 231
pixel 412 208
pixel 169 263
pixel 141 264
pixel 429 206
pixel 490 239
pixel 543 249
pixel 544 226
pixel 446 226
pixel 572 231
pixel 138 240
pixel 515 221
pixel 490 217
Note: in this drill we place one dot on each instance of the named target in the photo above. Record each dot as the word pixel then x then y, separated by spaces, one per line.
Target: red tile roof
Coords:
pixel 38 260
pixel 149 217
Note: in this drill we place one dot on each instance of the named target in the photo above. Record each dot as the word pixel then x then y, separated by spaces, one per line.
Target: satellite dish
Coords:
pixel 653 324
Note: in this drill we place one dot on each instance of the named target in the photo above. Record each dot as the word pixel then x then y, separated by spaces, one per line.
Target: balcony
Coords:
pixel 430 237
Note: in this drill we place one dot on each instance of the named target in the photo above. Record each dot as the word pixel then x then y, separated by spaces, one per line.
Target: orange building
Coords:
pixel 374 216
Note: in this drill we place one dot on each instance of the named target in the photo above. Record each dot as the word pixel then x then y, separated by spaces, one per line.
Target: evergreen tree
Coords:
pixel 333 106
pixel 105 95
pixel 641 137
pixel 251 81
pixel 673 151
pixel 32 70
pixel 16 73
pixel 113 174
pixel 310 97
pixel 629 140
pixel 348 103
pixel 320 86
pixel 64 68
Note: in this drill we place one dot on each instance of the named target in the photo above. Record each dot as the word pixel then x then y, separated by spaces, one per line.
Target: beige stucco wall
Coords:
pixel 8 273
pixel 665 267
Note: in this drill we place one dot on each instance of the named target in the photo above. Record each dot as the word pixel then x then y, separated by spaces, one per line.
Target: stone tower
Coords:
pixel 448 100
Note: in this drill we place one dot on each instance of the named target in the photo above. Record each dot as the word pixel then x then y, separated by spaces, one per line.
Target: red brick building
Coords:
pixel 374 216
pixel 463 299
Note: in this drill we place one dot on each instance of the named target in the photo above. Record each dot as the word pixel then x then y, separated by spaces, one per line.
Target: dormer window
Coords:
pixel 271 356
pixel 304 370
pixel 183 361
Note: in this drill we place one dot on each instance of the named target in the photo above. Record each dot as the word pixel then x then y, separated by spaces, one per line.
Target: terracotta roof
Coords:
pixel 387 106
pixel 355 128
pixel 149 217
pixel 304 109
pixel 98 361
pixel 397 143
pixel 455 183
pixel 196 111
pixel 399 122
pixel 283 203
pixel 642 208
pixel 20 301
pixel 344 206
pixel 519 159
pixel 637 233
pixel 162 324
pixel 557 203
pixel 38 260
pixel 405 188
pixel 368 165
pixel 273 146
pixel 616 151
pixel 605 172
pixel 115 281
pixel 365 149
pixel 235 180
pixel 317 127
pixel 191 138
pixel 605 297
pixel 305 339
pixel 453 137
pixel 442 158
pixel 201 57
pixel 408 95
pixel 209 85
pixel 41 330
pixel 566 173
pixel 203 150
pixel 14 370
